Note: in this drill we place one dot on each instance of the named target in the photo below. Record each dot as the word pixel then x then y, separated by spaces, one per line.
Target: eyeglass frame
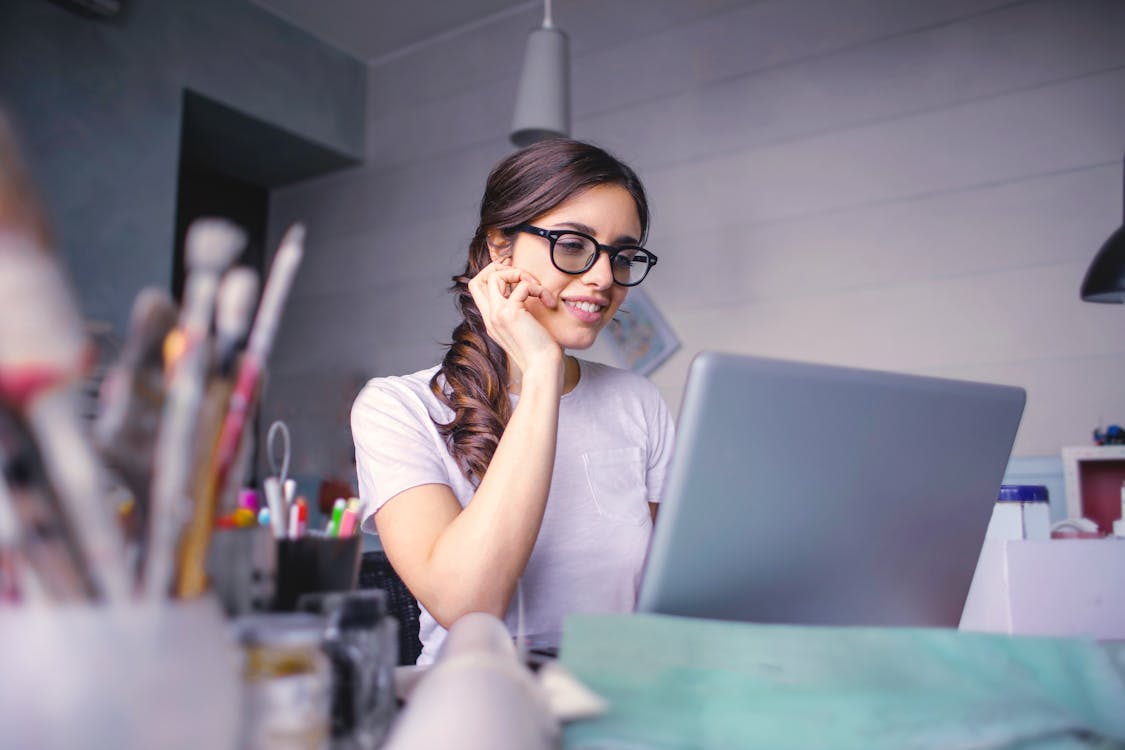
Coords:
pixel 611 251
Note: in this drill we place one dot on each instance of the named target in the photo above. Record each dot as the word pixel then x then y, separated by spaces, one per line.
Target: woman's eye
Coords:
pixel 571 246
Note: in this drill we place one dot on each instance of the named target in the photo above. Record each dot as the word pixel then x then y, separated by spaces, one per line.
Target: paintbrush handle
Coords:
pixel 191 575
pixel 54 419
pixel 238 411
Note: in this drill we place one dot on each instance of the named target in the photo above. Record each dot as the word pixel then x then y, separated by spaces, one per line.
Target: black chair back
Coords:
pixel 375 572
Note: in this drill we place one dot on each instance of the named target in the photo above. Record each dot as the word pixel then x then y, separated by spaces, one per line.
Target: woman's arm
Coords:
pixel 469 560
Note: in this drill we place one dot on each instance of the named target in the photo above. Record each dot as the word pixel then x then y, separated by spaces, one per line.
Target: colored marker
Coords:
pixel 337 516
pixel 302 515
pixel 298 518
pixel 348 519
pixel 248 498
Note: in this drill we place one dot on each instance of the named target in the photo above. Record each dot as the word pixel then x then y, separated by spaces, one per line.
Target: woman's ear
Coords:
pixel 499 247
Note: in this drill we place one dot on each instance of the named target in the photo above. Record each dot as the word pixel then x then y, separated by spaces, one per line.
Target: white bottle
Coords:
pixel 1119 524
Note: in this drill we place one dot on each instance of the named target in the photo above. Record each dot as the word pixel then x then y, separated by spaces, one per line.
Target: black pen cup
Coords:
pixel 310 564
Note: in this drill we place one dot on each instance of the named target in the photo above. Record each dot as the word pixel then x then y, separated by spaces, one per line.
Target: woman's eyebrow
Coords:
pixel 625 239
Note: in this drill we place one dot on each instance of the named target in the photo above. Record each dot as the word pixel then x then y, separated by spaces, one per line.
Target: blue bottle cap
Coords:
pixel 1022 493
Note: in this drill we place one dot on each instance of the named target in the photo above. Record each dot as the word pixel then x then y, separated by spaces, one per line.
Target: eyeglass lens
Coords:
pixel 574 253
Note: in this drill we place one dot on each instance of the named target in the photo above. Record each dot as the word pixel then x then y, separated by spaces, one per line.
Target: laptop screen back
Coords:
pixel 811 494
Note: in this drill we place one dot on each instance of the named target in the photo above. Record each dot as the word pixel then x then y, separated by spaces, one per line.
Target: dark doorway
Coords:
pixel 205 192
pixel 229 161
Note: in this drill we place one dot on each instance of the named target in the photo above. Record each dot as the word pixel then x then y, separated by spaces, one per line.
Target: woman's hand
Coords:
pixel 501 293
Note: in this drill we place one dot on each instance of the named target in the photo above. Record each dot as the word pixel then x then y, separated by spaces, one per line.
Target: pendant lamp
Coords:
pixel 543 97
pixel 1105 278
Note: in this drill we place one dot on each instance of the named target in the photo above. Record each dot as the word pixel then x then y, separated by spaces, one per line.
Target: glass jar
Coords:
pixel 286 682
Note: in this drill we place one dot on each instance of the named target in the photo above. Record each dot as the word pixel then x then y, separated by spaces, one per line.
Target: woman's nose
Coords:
pixel 600 274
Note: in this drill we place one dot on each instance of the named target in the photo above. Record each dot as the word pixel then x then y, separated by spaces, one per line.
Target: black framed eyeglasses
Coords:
pixel 576 253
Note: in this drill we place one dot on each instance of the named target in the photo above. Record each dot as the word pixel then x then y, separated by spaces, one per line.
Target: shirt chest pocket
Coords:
pixel 616 479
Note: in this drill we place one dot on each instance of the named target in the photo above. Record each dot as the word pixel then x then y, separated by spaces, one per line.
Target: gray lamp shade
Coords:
pixel 543 97
pixel 1105 278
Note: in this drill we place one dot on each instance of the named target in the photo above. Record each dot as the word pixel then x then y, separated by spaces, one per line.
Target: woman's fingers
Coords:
pixel 504 281
pixel 548 298
pixel 501 293
pixel 501 286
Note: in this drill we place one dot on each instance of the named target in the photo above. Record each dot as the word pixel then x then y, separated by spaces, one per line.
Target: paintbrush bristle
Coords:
pixel 234 308
pixel 294 234
pixel 154 314
pixel 213 244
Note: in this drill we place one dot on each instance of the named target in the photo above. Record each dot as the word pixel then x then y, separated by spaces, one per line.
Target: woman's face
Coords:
pixel 587 301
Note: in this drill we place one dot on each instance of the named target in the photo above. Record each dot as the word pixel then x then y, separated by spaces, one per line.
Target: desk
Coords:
pixel 678 682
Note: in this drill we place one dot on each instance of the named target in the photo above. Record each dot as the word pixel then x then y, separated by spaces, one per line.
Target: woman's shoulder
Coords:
pixel 409 391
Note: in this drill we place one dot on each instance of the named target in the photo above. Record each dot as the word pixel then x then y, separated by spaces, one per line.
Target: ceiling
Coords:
pixel 378 30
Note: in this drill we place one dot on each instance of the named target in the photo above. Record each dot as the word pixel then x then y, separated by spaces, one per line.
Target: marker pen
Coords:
pixel 348 518
pixel 337 516
pixel 302 515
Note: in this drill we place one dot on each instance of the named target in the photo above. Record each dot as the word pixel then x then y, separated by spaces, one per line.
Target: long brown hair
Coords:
pixel 520 188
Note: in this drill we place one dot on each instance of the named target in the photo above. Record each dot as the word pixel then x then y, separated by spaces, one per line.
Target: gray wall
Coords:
pixel 915 186
pixel 97 106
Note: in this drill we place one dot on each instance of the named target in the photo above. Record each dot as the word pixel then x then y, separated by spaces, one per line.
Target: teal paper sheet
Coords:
pixel 676 682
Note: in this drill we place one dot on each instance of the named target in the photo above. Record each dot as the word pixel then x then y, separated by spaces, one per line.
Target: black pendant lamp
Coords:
pixel 1105 278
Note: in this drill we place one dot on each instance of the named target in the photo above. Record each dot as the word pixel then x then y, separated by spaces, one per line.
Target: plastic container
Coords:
pixel 1022 511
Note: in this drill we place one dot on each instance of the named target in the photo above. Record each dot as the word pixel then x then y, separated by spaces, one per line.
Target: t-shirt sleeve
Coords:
pixel 661 439
pixel 397 445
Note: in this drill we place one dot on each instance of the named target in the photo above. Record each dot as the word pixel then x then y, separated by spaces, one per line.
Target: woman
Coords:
pixel 515 476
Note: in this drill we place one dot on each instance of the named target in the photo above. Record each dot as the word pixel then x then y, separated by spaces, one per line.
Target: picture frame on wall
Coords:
pixel 639 336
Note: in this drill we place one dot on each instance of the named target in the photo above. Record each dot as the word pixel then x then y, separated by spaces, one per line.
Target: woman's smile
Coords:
pixel 586 309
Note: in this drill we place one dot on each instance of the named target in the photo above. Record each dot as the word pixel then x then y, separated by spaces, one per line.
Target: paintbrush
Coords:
pixel 252 366
pixel 48 565
pixel 233 312
pixel 43 355
pixel 131 400
pixel 212 245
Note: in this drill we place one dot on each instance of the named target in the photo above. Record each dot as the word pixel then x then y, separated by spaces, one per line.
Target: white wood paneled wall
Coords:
pixel 915 186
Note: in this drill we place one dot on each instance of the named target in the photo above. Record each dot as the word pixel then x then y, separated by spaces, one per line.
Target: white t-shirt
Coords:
pixel 614 443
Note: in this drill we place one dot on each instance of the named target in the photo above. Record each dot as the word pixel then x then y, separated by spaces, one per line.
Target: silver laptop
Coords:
pixel 809 494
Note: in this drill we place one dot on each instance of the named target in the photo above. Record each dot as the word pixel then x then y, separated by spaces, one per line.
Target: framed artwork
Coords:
pixel 639 336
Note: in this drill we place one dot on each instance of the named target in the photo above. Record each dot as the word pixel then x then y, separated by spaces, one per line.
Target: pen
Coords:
pixel 298 513
pixel 337 516
pixel 348 518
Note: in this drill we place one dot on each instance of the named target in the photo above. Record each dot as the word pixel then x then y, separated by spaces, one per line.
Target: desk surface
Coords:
pixel 677 682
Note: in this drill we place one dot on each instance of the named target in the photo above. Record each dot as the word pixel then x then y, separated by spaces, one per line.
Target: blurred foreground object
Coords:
pixel 128 677
pixel 43 356
pixel 476 695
